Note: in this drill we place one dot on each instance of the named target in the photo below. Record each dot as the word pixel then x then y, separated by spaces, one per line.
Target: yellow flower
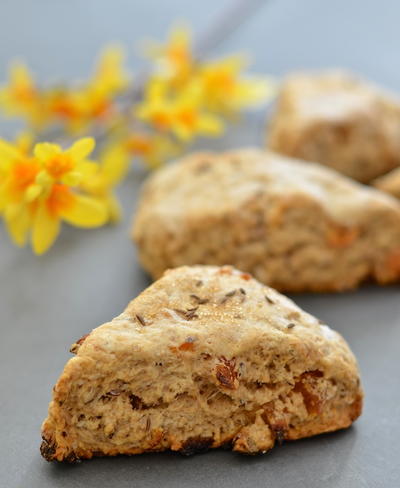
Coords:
pixel 153 149
pixel 191 119
pixel 21 97
pixel 109 77
pixel 182 114
pixel 76 107
pixel 64 105
pixel 93 101
pixel 40 191
pixel 224 89
pixel 79 108
pixel 174 59
pixel 155 107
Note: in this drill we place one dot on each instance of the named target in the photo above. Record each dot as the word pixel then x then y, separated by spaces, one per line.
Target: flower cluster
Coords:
pixel 75 108
pixel 185 98
pixel 40 188
pixel 180 99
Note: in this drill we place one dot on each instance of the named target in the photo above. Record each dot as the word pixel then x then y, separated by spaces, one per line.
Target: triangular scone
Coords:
pixel 205 357
pixel 337 120
pixel 294 225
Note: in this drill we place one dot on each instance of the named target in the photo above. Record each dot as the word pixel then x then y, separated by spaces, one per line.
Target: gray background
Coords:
pixel 89 276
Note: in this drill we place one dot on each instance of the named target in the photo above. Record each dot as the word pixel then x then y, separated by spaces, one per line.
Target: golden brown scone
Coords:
pixel 389 183
pixel 294 225
pixel 205 357
pixel 337 120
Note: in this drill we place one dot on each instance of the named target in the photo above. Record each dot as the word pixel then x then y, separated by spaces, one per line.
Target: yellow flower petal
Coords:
pixel 24 141
pixel 114 163
pixel 210 125
pixel 254 91
pixel 82 148
pixel 88 168
pixel 86 212
pixel 114 209
pixel 20 75
pixel 183 132
pixel 180 34
pixel 109 77
pixel 8 152
pixel 45 230
pixel 156 89
pixel 18 225
pixel 72 178
pixel 45 150
pixel 32 192
pixel 3 195
pixel 43 178
pixel 11 211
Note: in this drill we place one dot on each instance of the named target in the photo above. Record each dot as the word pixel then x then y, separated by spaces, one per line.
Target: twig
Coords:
pixel 237 12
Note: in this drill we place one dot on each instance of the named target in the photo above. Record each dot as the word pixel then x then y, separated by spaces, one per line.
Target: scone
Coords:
pixel 205 357
pixel 339 121
pixel 295 226
pixel 389 183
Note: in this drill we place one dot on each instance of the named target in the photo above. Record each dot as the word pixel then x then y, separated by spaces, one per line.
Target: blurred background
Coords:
pixel 89 276
pixel 59 40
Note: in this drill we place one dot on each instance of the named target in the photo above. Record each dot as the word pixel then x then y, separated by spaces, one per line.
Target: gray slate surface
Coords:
pixel 89 276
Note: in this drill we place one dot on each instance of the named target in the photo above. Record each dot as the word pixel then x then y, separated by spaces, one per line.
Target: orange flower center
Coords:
pixel 187 117
pixel 24 173
pixel 178 55
pixel 221 81
pixel 60 199
pixel 101 109
pixel 139 145
pixel 64 108
pixel 24 93
pixel 161 120
pixel 58 165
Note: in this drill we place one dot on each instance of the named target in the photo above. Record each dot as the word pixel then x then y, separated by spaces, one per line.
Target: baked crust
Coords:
pixel 205 357
pixel 294 225
pixel 389 183
pixel 337 120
